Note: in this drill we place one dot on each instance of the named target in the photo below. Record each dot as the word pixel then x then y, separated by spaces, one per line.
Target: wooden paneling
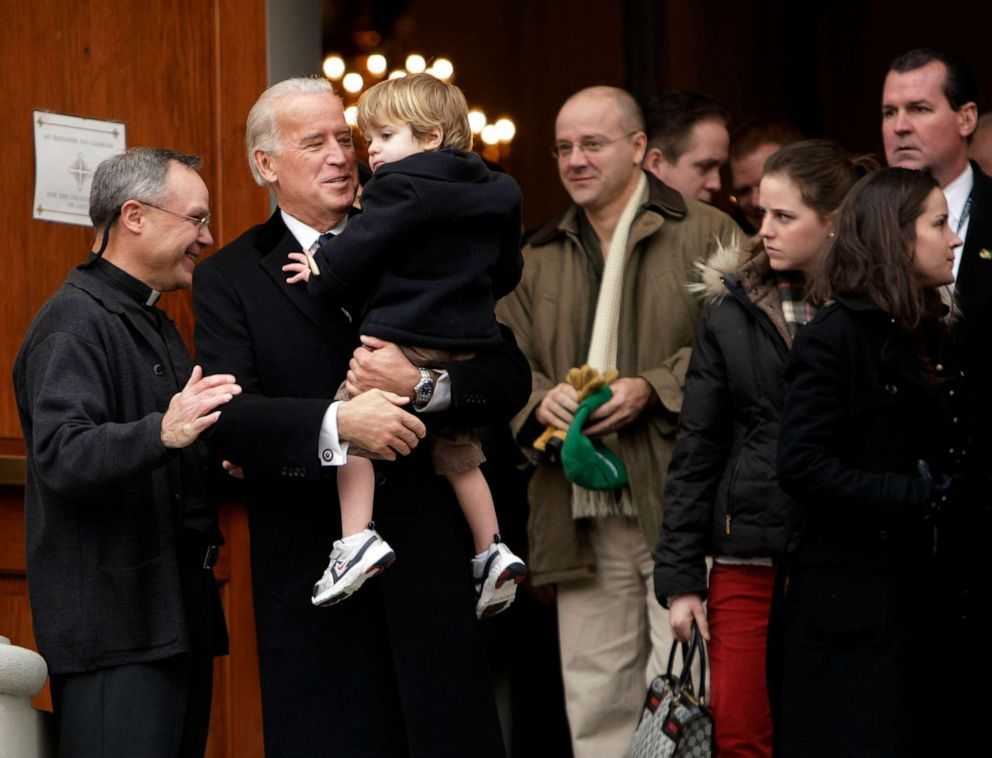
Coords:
pixel 180 74
pixel 15 616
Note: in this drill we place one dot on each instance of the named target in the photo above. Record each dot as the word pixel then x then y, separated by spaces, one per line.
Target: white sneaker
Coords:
pixel 496 573
pixel 350 566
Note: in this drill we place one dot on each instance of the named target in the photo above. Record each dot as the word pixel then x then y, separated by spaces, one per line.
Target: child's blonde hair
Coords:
pixel 422 101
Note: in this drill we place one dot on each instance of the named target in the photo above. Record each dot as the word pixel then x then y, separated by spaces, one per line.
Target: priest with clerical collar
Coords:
pixel 121 536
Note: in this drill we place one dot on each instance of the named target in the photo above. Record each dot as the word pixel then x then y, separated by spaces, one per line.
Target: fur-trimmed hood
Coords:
pixel 749 274
pixel 727 259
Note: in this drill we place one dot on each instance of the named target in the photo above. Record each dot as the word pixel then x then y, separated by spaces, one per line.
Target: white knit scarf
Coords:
pixel 603 350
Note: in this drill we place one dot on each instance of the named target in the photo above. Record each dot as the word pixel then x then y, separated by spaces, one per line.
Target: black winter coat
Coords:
pixel 722 496
pixel 105 500
pixel 436 245
pixel 858 610
pixel 858 417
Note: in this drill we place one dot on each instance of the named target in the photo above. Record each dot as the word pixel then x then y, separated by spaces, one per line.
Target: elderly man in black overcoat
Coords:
pixel 398 668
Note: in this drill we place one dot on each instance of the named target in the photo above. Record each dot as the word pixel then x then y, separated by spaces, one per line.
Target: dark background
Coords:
pixel 818 64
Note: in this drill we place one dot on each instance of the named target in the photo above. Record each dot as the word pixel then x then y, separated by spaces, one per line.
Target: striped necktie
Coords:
pixel 319 242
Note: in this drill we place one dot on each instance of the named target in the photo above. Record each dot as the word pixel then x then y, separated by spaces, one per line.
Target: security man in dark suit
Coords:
pixel 121 536
pixel 929 113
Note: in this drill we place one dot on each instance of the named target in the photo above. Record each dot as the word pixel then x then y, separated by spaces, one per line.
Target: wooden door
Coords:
pixel 180 74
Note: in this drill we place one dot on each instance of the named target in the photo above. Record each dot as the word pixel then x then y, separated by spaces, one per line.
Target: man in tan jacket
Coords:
pixel 606 285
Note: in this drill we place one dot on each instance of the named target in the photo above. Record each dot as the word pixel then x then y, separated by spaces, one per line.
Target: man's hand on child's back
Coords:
pixel 381 364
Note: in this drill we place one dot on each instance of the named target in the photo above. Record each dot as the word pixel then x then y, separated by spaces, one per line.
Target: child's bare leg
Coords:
pixel 476 502
pixel 356 488
pixel 359 554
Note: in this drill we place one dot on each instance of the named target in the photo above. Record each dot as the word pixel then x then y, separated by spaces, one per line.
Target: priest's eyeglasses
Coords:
pixel 201 223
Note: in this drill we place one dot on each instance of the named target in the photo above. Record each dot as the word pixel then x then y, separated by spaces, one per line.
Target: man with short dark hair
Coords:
pixel 121 536
pixel 687 142
pixel 398 668
pixel 605 285
pixel 753 144
pixel 929 113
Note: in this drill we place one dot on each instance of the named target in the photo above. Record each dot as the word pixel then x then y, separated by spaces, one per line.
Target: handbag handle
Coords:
pixel 696 646
pixel 671 655
pixel 701 651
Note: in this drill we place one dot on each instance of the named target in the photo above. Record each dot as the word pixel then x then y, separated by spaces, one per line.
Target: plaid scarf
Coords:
pixel 791 291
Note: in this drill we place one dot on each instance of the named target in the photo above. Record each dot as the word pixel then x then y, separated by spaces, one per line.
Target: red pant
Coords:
pixel 737 612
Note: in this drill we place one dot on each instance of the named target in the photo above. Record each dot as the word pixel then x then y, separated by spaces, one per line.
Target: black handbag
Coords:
pixel 675 721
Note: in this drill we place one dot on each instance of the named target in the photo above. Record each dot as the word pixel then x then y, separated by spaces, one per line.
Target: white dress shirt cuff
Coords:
pixel 332 450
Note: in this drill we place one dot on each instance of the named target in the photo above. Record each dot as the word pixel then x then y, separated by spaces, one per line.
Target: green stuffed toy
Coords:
pixel 586 463
pixel 586 380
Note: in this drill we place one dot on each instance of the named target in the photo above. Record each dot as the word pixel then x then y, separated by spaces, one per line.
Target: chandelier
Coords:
pixel 493 139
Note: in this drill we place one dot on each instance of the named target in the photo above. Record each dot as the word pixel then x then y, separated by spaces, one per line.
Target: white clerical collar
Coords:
pixel 307 235
pixel 957 193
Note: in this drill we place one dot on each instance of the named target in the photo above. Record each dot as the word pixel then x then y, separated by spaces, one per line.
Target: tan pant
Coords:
pixel 615 638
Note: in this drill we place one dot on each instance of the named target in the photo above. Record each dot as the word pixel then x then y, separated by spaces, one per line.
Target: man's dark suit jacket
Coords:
pixel 396 669
pixel 966 599
pixel 974 280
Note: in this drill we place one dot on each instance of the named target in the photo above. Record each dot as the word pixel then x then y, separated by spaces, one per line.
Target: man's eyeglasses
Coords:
pixel 588 146
pixel 201 223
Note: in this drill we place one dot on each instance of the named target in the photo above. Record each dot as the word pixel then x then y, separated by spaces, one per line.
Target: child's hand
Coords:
pixel 301 267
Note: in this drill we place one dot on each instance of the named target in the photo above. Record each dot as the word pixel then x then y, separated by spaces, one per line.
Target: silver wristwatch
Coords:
pixel 423 391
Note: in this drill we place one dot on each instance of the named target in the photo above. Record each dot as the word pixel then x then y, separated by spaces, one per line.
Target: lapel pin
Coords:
pixel 985 254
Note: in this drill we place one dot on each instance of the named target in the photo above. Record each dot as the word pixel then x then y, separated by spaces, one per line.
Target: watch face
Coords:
pixel 425 387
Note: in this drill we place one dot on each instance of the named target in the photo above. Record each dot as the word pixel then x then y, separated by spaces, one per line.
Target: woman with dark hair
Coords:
pixel 722 497
pixel 869 436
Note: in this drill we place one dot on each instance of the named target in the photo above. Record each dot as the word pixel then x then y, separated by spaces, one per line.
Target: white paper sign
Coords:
pixel 67 150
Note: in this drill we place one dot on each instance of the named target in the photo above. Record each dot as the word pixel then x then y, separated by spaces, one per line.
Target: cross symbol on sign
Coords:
pixel 80 171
